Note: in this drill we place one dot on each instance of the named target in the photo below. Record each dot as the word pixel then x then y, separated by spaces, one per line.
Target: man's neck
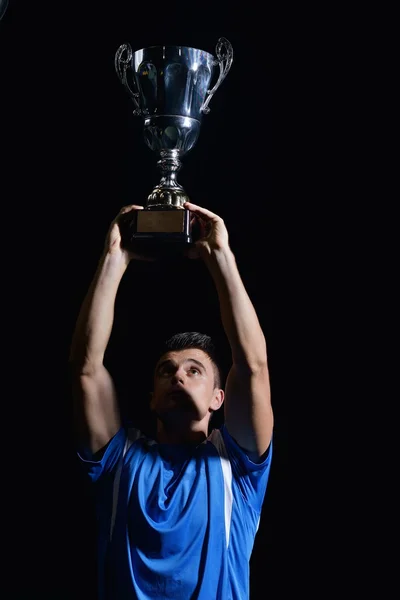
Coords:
pixel 187 437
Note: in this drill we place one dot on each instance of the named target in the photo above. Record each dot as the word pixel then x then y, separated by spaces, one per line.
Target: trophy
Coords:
pixel 171 90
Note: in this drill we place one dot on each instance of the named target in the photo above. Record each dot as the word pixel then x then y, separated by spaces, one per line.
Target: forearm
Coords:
pixel 95 320
pixel 238 315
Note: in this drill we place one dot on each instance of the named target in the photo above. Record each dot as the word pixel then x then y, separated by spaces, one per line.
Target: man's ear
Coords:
pixel 218 399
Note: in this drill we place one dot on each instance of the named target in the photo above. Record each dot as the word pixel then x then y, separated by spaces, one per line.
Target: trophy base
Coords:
pixel 157 232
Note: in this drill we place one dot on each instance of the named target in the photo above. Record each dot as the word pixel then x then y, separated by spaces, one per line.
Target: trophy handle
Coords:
pixel 224 60
pixel 121 66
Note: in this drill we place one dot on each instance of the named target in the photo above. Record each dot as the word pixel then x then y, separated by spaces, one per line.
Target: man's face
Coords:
pixel 184 386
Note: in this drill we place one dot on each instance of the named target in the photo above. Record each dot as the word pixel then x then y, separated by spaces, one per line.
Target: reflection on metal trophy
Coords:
pixel 171 90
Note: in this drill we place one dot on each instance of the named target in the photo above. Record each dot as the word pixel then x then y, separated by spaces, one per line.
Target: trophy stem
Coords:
pixel 168 193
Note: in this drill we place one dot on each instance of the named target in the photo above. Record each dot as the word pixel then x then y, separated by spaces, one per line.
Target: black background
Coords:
pixel 73 155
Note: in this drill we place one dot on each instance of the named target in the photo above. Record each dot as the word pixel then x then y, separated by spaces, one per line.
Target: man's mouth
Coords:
pixel 178 393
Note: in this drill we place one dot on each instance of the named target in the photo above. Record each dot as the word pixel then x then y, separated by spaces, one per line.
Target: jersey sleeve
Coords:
pixel 251 477
pixel 94 465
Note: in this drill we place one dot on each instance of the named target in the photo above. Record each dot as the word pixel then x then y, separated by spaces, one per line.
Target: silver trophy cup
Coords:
pixel 171 88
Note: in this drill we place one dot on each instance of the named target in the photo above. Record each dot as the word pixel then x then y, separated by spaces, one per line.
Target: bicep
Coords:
pixel 96 408
pixel 248 410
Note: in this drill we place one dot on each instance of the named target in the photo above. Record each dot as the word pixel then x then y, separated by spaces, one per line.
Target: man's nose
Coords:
pixel 178 376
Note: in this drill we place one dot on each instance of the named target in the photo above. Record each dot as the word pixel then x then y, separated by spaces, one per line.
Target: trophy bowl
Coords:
pixel 170 87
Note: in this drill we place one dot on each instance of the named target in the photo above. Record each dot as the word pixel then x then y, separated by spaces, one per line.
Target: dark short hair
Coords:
pixel 194 339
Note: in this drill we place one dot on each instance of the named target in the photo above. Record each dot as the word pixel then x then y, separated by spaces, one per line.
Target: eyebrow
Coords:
pixel 169 361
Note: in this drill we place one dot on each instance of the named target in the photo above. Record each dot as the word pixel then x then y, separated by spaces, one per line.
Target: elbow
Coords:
pixel 252 362
pixel 81 366
pixel 253 356
pixel 253 369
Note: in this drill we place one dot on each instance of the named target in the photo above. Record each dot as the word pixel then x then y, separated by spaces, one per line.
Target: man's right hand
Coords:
pixel 113 245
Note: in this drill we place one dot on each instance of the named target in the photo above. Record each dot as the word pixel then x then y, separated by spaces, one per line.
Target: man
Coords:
pixel 177 516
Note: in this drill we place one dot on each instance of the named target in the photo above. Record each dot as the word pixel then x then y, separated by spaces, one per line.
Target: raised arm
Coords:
pixel 95 400
pixel 248 410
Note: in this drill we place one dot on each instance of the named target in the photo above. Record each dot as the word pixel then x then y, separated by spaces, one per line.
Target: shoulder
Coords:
pixel 228 446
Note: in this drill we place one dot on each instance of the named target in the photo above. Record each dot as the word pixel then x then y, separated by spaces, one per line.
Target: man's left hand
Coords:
pixel 213 233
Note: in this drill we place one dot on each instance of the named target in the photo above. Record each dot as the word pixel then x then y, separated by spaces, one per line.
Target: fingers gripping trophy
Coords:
pixel 171 91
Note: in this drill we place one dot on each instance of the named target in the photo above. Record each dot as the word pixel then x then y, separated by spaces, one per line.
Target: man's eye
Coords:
pixel 164 371
pixel 193 369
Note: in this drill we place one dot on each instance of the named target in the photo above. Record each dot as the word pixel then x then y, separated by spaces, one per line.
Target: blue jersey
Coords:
pixel 176 521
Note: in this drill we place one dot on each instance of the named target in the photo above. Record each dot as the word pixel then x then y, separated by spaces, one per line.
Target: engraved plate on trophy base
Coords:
pixel 156 232
pixel 161 221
